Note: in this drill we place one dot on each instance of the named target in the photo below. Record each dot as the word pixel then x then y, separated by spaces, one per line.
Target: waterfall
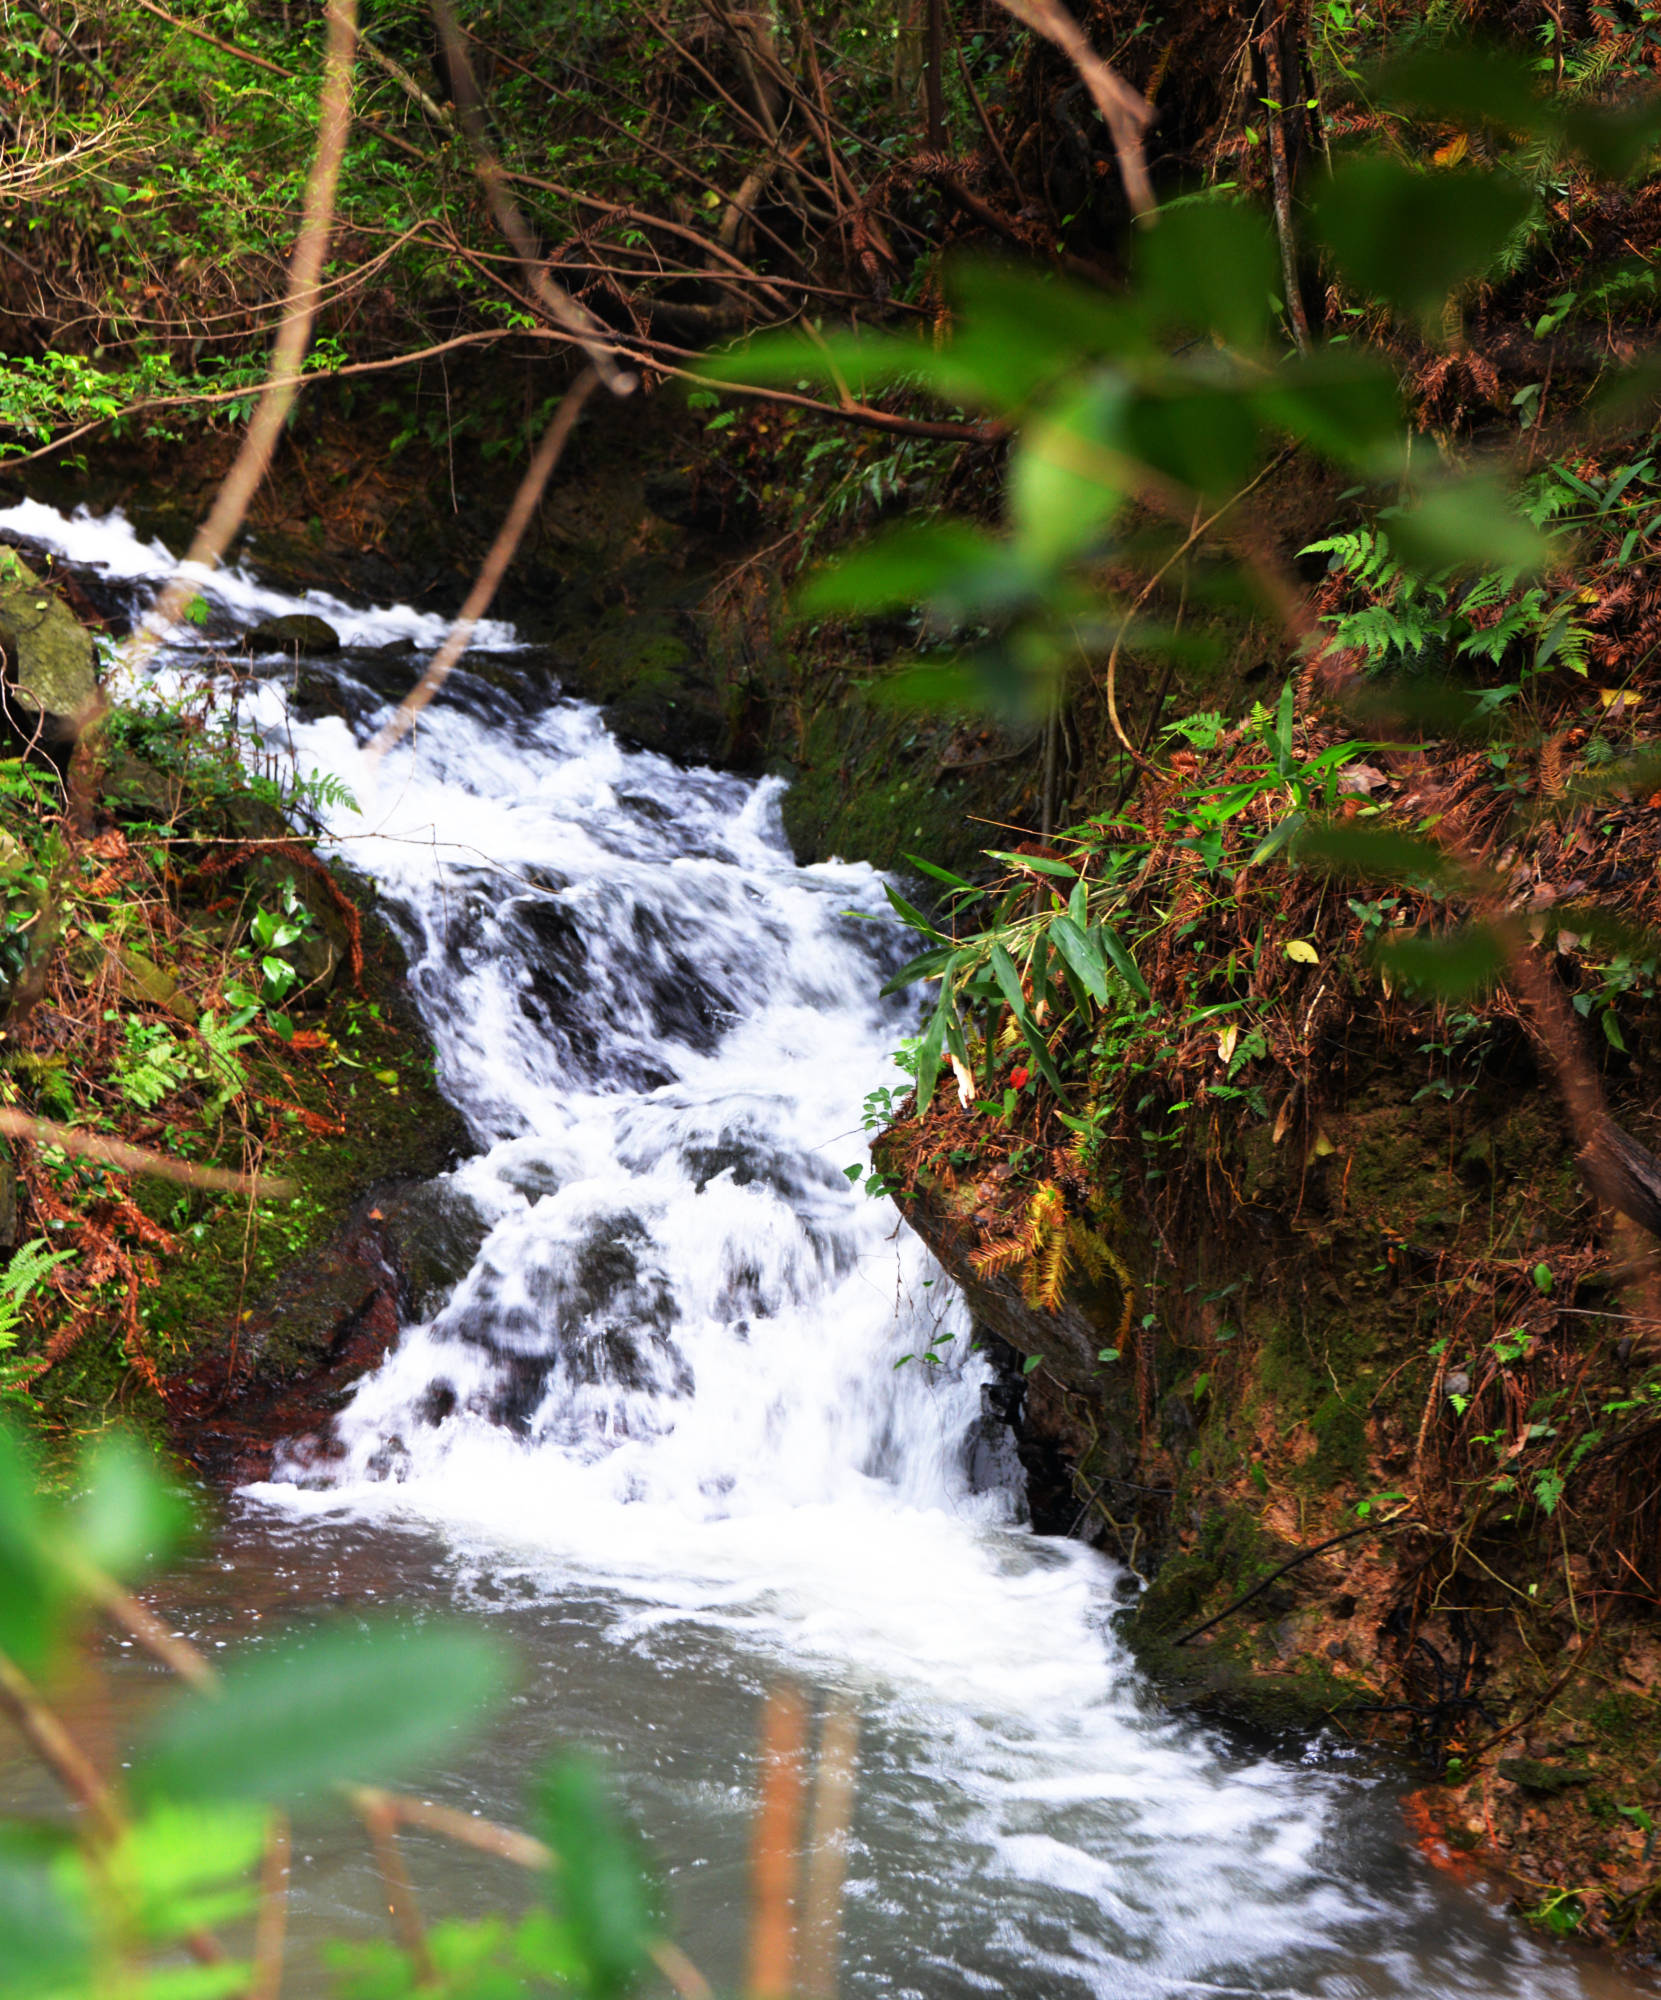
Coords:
pixel 676 1372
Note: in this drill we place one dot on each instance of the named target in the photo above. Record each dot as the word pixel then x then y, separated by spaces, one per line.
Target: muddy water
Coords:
pixel 663 1434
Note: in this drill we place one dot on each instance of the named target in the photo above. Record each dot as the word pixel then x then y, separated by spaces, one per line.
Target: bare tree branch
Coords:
pixel 1127 112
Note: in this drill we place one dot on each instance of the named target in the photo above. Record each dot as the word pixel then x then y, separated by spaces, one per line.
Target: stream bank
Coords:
pixel 1275 1311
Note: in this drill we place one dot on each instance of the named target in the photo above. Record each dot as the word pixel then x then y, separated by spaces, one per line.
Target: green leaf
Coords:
pixel 599 1885
pixel 930 1050
pixel 924 966
pixel 1009 980
pixel 129 1518
pixel 1461 84
pixel 1123 963
pixel 1209 267
pixel 1068 474
pixel 956 571
pixel 1341 402
pixel 337 1707
pixel 1415 237
pixel 34 1589
pixel 198 1982
pixel 1468 524
pixel 1040 864
pixel 1082 956
pixel 939 874
pixel 184 1869
pixel 1032 1363
pixel 45 1941
pixel 1019 331
pixel 1275 839
pixel 1374 853
pixel 912 915
pixel 1479 86
pixel 1449 965
pixel 1206 438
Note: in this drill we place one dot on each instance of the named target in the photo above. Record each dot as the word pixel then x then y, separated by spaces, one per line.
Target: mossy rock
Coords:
pixel 297 632
pixel 51 663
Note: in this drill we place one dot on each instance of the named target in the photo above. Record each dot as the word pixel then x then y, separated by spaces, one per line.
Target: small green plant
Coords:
pixel 24 1271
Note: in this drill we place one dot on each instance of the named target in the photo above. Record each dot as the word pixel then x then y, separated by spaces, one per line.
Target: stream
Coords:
pixel 657 1433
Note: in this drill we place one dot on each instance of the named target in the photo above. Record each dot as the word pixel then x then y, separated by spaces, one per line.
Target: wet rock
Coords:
pixel 134 789
pixel 297 632
pixel 51 664
pixel 435 1231
pixel 1550 1779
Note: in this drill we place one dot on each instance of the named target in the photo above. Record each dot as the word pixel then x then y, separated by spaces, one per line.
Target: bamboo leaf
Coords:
pixel 1081 956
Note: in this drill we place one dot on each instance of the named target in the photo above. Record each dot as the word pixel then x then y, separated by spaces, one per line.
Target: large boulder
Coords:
pixel 297 632
pixel 50 662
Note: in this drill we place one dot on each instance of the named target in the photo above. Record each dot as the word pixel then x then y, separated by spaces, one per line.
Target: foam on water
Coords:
pixel 670 1372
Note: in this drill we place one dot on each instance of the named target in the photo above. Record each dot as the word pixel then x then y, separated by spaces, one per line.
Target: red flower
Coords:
pixel 1018 1077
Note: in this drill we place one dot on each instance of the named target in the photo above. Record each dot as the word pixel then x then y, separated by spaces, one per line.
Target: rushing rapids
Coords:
pixel 665 1415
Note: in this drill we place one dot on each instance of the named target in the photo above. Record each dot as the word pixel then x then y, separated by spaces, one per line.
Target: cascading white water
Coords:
pixel 668 1382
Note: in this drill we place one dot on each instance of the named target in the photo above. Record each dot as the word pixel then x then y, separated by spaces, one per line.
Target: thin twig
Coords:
pixel 1303 1556
pixel 508 537
pixel 253 459
pixel 402 1908
pixel 827 1861
pixel 773 1853
pixel 576 319
pixel 228 48
pixel 271 1926
pixel 58 1750
pixel 1127 112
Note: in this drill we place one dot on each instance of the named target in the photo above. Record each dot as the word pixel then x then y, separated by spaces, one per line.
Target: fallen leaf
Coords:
pixel 1302 952
pixel 1226 1041
pixel 965 1081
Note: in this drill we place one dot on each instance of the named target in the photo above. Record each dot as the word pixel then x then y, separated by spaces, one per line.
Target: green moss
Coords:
pixel 1339 1422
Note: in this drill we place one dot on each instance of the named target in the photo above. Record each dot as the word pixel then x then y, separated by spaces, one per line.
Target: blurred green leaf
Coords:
pixel 1614 142
pixel 1209 267
pixel 1206 438
pixel 183 1869
pixel 128 1517
pixel 223 1981
pixel 1374 853
pixel 599 1884
pixel 1466 85
pixel 1468 523
pixel 34 1590
pixel 865 362
pixel 1065 482
pixel 1343 403
pixel 45 1941
pixel 957 571
pixel 1448 965
pixel 335 1707
pixel 1463 84
pixel 931 1049
pixel 1413 238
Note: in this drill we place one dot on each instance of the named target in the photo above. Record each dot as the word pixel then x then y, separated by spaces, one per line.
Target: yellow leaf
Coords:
pixel 1226 1041
pixel 1453 152
pixel 1323 1145
pixel 1302 952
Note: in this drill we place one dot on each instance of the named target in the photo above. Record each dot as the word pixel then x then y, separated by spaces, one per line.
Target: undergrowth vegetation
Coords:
pixel 182 974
